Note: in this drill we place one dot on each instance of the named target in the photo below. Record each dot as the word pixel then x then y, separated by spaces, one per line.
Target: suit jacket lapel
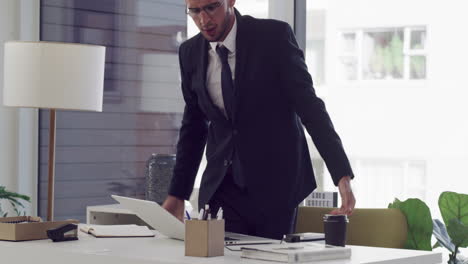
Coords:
pixel 203 64
pixel 241 48
pixel 241 59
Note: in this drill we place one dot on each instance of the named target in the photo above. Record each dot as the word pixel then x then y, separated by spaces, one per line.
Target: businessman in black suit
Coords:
pixel 248 95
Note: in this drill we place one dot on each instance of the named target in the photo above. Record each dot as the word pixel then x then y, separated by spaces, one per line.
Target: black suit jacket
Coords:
pixel 264 141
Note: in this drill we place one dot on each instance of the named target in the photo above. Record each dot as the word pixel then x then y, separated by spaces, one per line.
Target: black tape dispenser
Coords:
pixel 65 232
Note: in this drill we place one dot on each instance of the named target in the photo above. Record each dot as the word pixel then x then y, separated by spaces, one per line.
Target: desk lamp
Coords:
pixel 55 76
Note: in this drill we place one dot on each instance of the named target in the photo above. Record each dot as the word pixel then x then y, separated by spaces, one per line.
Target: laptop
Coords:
pixel 167 224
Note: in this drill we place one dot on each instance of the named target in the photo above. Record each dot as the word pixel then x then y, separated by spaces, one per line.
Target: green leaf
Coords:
pixel 14 201
pixel 454 205
pixel 419 220
pixel 4 194
pixel 396 204
pixel 458 232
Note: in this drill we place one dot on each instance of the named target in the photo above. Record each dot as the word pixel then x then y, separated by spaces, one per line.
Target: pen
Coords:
pixel 219 215
pixel 201 214
pixel 207 211
pixel 187 214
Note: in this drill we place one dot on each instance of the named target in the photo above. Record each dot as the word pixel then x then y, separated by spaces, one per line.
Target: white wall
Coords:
pixel 19 20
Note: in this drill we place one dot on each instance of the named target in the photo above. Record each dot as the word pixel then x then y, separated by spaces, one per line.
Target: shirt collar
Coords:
pixel 230 40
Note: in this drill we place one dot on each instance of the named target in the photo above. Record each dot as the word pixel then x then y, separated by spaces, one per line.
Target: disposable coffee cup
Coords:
pixel 335 229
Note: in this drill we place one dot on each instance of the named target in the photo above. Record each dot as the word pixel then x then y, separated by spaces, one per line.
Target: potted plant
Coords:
pixel 14 199
pixel 452 235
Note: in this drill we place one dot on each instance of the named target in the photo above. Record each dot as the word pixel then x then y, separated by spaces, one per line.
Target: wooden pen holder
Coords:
pixel 204 238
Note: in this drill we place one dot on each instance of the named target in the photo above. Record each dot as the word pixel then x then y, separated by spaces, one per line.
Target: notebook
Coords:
pixel 117 230
pixel 295 252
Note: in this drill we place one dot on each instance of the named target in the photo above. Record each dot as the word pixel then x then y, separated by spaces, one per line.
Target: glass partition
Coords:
pixel 99 154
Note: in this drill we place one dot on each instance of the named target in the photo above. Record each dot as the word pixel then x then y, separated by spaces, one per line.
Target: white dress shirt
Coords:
pixel 213 72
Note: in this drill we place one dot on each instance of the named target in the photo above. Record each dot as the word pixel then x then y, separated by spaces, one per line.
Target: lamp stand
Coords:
pixel 51 164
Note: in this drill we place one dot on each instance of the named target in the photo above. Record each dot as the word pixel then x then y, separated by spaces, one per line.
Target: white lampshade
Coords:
pixel 53 75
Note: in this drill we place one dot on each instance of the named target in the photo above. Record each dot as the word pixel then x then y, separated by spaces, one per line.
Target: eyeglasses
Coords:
pixel 210 9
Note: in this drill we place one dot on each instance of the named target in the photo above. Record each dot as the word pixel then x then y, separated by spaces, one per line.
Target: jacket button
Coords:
pixel 226 162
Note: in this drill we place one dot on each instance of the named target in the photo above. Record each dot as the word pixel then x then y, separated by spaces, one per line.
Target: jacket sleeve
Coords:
pixel 299 89
pixel 192 138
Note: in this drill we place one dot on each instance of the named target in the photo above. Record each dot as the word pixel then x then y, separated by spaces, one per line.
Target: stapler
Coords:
pixel 65 232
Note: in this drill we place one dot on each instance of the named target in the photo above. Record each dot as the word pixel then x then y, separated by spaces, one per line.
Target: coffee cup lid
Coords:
pixel 337 218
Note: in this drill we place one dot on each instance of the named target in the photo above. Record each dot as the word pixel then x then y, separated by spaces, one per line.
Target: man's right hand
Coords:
pixel 175 206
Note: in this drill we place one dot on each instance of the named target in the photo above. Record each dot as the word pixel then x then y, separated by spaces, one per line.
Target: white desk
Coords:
pixel 160 249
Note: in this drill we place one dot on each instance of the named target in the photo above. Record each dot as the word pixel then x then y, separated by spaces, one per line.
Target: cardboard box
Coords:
pixel 23 228
pixel 204 238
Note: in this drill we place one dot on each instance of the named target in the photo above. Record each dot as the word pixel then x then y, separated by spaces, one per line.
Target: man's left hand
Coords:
pixel 347 197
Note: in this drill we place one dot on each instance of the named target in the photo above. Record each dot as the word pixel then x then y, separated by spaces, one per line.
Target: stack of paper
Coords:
pixel 117 230
pixel 295 252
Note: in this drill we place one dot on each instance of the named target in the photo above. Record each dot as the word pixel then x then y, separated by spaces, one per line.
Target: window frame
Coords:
pixel 358 54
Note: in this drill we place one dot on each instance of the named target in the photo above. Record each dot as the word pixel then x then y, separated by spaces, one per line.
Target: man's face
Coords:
pixel 214 18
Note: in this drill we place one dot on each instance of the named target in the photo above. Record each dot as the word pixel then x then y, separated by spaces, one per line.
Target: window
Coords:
pixel 416 53
pixel 349 56
pixel 382 180
pixel 383 54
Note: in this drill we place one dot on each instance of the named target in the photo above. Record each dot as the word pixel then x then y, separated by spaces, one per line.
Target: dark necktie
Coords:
pixel 227 85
